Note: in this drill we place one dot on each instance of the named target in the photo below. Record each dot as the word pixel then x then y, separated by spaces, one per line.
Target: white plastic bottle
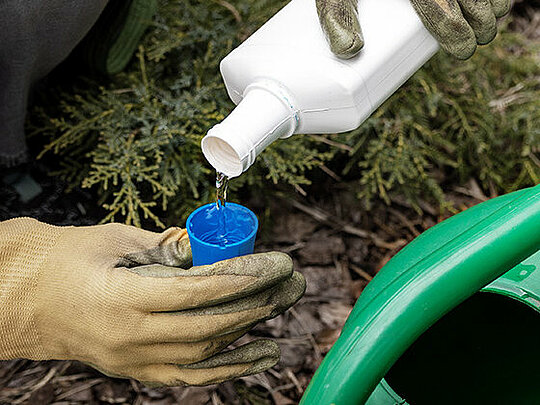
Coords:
pixel 285 80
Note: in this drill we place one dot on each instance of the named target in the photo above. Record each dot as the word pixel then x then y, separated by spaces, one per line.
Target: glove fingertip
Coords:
pixel 465 51
pixel 271 267
pixel 501 7
pixel 356 45
pixel 281 261
pixel 262 350
pixel 461 48
pixel 288 294
pixel 487 38
pixel 269 354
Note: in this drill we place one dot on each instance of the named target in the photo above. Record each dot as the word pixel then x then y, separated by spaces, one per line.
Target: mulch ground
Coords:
pixel 337 246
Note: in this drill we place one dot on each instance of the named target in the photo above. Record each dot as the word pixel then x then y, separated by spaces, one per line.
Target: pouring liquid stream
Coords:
pixel 228 221
pixel 222 186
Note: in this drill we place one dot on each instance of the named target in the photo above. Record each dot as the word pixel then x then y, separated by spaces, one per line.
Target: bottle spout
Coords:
pixel 265 114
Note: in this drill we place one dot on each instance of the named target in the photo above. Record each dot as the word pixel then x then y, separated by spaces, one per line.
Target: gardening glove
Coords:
pixel 458 25
pixel 125 301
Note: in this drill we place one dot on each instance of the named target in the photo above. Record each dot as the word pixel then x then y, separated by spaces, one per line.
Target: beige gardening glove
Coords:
pixel 458 25
pixel 127 302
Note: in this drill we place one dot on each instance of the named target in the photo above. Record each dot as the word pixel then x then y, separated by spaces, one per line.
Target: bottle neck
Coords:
pixel 265 114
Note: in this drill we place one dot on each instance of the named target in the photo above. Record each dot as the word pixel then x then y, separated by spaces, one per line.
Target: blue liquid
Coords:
pixel 213 241
pixel 225 225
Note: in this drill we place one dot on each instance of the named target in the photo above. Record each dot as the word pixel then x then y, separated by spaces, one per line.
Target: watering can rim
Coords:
pixel 369 343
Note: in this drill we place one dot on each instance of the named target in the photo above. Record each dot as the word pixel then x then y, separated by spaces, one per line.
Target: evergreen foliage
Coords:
pixel 135 137
pixel 454 121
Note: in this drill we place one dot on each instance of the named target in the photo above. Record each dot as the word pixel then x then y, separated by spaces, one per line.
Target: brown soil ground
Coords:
pixel 337 247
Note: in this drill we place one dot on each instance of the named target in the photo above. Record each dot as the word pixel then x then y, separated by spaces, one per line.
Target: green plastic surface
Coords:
pixel 436 272
pixel 521 283
pixel 499 346
pixel 383 394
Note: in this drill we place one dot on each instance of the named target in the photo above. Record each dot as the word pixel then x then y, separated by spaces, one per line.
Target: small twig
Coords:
pixel 362 273
pixel 122 91
pixel 294 380
pixel 330 172
pixel 300 190
pixel 215 399
pixel 292 248
pixel 31 371
pixel 421 203
pixel 323 216
pixel 13 370
pixel 135 386
pixel 474 190
pixel 384 225
pixel 283 387
pixel 315 212
pixel 138 400
pixel 263 380
pixel 63 367
pixel 260 379
pixel 327 141
pixel 535 160
pixel 343 267
pixel 405 221
pixel 299 340
pixel 275 373
pixel 72 377
pixel 80 388
pixel 231 8
pixel 37 386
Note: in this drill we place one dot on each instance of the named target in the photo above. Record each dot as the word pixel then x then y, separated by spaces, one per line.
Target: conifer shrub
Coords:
pixel 134 138
pixel 453 121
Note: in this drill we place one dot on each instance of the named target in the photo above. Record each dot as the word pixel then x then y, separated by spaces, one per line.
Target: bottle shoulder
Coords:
pixel 318 84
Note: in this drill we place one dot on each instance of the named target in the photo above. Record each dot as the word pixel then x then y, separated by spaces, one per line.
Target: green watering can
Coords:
pixel 453 318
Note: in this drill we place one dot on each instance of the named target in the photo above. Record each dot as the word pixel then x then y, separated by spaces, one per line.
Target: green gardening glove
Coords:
pixel 458 25
pixel 128 302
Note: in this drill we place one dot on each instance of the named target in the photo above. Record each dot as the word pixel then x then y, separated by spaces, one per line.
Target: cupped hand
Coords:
pixel 128 302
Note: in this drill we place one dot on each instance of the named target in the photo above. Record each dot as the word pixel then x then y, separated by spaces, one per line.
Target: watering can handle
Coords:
pixel 412 300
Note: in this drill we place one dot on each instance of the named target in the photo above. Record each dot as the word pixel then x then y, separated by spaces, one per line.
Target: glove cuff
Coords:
pixel 24 245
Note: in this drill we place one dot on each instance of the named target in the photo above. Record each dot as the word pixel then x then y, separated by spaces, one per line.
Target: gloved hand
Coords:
pixel 458 25
pixel 125 301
